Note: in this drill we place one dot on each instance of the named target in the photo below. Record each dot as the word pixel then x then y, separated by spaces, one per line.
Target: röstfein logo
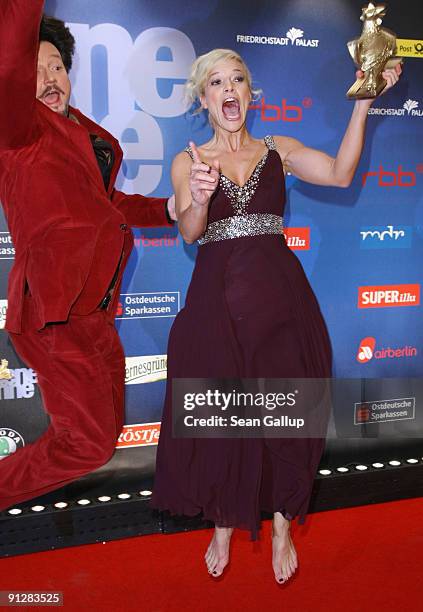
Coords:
pixel 140 434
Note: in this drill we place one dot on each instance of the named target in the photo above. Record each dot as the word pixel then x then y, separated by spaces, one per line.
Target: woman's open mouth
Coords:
pixel 231 109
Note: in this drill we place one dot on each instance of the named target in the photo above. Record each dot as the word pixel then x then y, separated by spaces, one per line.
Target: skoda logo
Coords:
pixel 10 441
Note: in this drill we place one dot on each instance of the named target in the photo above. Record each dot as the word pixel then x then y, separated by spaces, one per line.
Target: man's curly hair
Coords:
pixel 54 31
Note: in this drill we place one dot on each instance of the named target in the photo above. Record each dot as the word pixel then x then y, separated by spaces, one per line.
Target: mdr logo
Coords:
pixel 142 81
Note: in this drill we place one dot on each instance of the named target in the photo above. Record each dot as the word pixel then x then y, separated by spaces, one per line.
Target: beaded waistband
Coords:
pixel 239 226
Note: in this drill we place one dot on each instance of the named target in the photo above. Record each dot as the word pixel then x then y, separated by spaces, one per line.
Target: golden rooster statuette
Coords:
pixel 5 373
pixel 372 53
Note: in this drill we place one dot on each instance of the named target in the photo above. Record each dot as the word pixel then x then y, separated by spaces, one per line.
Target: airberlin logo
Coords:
pixel 384 296
pixel 164 241
pixel 290 113
pixel 393 177
pixel 297 238
pixel 367 351
pixel 294 37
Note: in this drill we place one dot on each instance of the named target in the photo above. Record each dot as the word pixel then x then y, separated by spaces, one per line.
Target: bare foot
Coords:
pixel 284 556
pixel 217 555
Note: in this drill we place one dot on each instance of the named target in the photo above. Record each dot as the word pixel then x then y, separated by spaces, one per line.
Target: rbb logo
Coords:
pixel 285 112
pixel 365 350
pixel 387 178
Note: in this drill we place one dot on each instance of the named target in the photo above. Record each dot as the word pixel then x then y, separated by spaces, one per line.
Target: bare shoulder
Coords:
pixel 181 162
pixel 286 144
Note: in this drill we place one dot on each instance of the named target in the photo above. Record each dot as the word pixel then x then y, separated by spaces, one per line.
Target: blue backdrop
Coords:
pixel 133 57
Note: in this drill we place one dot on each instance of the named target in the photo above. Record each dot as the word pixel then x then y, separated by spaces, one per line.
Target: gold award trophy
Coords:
pixel 372 53
pixel 5 373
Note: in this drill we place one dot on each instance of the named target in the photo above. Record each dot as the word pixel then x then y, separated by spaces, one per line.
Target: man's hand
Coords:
pixel 171 208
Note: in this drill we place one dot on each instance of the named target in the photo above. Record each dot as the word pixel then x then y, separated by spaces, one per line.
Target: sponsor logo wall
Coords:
pixel 361 247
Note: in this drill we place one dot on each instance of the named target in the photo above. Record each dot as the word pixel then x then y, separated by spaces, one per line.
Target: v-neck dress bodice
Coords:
pixel 249 313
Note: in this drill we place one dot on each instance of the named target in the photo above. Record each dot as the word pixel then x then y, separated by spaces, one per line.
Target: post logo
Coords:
pixel 408 47
pixel 297 238
pixel 388 178
pixel 365 350
pixel 388 296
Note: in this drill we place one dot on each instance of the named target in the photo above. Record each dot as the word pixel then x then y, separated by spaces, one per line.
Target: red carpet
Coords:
pixel 356 560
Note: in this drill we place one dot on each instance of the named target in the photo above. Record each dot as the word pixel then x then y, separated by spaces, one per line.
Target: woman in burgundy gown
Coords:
pixel 250 312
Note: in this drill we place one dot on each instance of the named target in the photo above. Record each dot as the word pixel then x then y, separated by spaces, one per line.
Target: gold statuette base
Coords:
pixel 364 88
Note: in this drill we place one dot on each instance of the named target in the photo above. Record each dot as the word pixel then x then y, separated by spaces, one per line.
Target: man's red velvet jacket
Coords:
pixel 67 230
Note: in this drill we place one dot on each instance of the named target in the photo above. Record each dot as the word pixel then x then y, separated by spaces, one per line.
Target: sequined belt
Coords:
pixel 239 226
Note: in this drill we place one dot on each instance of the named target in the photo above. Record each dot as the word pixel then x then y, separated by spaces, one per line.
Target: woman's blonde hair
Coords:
pixel 201 68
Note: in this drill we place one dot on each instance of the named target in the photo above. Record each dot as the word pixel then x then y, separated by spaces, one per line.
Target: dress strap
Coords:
pixel 190 153
pixel 270 143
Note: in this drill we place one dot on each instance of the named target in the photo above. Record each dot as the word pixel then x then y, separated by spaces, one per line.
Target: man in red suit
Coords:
pixel 70 228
